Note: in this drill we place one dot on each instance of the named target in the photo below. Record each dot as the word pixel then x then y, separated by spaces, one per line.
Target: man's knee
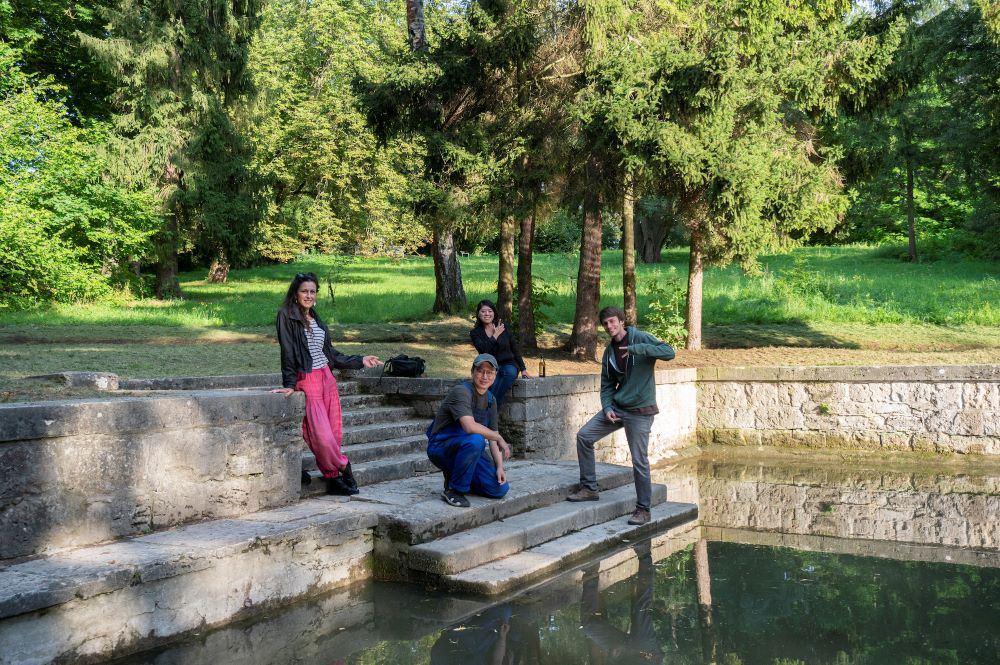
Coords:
pixel 496 491
pixel 473 442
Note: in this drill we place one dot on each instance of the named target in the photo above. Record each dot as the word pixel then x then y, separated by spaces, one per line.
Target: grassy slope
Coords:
pixel 844 298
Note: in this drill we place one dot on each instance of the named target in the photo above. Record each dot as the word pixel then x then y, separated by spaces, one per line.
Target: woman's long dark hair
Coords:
pixel 291 298
pixel 479 306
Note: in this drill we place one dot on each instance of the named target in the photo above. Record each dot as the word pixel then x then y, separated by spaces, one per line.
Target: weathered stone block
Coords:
pixel 198 456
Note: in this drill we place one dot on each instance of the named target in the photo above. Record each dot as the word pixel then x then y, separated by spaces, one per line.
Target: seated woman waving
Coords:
pixel 490 335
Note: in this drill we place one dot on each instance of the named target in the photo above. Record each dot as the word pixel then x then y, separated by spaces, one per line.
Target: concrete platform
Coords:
pixel 342 623
pixel 92 603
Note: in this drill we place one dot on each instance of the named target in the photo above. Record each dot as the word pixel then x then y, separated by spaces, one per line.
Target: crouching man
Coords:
pixel 463 440
pixel 628 399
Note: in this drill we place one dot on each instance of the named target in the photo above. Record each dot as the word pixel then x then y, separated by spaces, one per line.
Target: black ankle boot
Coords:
pixel 348 475
pixel 338 486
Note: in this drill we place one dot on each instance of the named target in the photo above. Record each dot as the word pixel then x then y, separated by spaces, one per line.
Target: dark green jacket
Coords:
pixel 632 386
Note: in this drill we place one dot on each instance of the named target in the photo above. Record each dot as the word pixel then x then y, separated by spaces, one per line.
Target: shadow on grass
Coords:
pixel 794 334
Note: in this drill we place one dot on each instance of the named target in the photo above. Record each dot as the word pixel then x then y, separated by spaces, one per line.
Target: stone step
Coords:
pixel 414 512
pixel 361 401
pixel 376 471
pixel 536 563
pixel 475 547
pixel 383 431
pixel 91 603
pixel 368 452
pixel 373 415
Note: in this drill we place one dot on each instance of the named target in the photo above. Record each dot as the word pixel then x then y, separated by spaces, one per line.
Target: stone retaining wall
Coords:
pixel 950 409
pixel 81 472
pixel 863 503
pixel 542 416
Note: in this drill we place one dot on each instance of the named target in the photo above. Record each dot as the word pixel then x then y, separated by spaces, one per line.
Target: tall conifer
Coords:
pixel 180 69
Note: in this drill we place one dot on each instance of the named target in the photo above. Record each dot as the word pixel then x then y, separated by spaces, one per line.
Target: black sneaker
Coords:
pixel 455 498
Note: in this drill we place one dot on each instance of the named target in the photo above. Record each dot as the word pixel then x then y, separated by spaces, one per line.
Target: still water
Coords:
pixel 793 563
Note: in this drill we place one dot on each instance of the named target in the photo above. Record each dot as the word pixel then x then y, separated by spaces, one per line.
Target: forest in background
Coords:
pixel 138 139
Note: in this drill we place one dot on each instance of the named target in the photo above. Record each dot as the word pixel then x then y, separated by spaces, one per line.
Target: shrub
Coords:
pixel 665 318
pixel 66 230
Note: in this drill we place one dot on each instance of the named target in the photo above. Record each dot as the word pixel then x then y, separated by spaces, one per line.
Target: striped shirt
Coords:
pixel 315 342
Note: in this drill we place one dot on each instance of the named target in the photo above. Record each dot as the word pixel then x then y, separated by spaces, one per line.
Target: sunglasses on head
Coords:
pixel 305 275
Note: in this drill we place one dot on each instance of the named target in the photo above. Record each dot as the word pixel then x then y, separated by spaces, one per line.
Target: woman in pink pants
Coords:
pixel 306 358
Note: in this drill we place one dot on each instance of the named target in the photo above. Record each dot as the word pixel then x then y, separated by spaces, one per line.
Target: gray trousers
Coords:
pixel 636 432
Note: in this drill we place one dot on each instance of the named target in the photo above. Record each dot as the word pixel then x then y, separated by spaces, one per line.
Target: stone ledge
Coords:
pixel 96 380
pixel 88 572
pixel 43 420
pixel 851 374
pixel 201 382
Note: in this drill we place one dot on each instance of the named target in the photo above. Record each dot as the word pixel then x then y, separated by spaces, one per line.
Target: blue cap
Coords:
pixel 485 358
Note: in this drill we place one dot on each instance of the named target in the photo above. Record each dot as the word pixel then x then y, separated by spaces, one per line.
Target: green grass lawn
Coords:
pixel 827 297
pixel 829 284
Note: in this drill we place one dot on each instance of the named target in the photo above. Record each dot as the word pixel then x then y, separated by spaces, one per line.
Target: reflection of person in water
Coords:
pixel 608 644
pixel 482 639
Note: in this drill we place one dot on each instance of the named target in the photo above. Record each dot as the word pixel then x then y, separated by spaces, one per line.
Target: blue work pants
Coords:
pixel 463 458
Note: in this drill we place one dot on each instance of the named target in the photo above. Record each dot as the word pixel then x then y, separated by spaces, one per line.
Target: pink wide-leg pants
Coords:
pixel 322 428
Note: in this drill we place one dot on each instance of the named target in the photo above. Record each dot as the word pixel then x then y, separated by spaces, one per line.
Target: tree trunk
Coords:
pixel 415 25
pixel 218 272
pixel 910 223
pixel 168 286
pixel 628 253
pixel 694 290
pixel 505 281
pixel 583 340
pixel 703 579
pixel 525 301
pixel 650 234
pixel 449 294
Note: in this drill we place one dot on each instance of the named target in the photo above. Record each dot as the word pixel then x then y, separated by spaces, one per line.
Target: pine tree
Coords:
pixel 180 70
pixel 719 101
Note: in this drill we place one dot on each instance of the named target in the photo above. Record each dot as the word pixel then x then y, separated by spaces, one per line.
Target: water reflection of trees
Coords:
pixel 763 605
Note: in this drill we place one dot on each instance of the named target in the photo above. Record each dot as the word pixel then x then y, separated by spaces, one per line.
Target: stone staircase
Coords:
pixel 497 546
pixel 384 442
pixel 102 599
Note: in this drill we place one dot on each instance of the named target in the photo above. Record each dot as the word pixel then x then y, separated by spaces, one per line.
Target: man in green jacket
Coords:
pixel 628 399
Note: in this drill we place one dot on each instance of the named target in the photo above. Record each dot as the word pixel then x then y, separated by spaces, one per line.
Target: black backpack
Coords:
pixel 403 365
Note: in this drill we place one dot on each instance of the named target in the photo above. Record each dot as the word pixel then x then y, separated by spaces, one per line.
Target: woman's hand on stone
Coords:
pixel 371 361
pixel 525 375
pixel 284 391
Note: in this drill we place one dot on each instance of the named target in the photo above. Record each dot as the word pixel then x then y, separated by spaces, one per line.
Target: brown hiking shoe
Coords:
pixel 584 494
pixel 639 516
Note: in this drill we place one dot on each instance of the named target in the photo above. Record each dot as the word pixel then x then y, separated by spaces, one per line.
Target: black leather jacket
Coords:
pixel 503 349
pixel 295 355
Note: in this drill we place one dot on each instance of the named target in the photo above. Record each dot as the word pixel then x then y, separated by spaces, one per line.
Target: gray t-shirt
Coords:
pixel 460 401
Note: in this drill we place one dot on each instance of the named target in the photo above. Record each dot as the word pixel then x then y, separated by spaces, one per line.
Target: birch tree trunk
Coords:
pixel 505 281
pixel 628 253
pixel 525 299
pixel 583 340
